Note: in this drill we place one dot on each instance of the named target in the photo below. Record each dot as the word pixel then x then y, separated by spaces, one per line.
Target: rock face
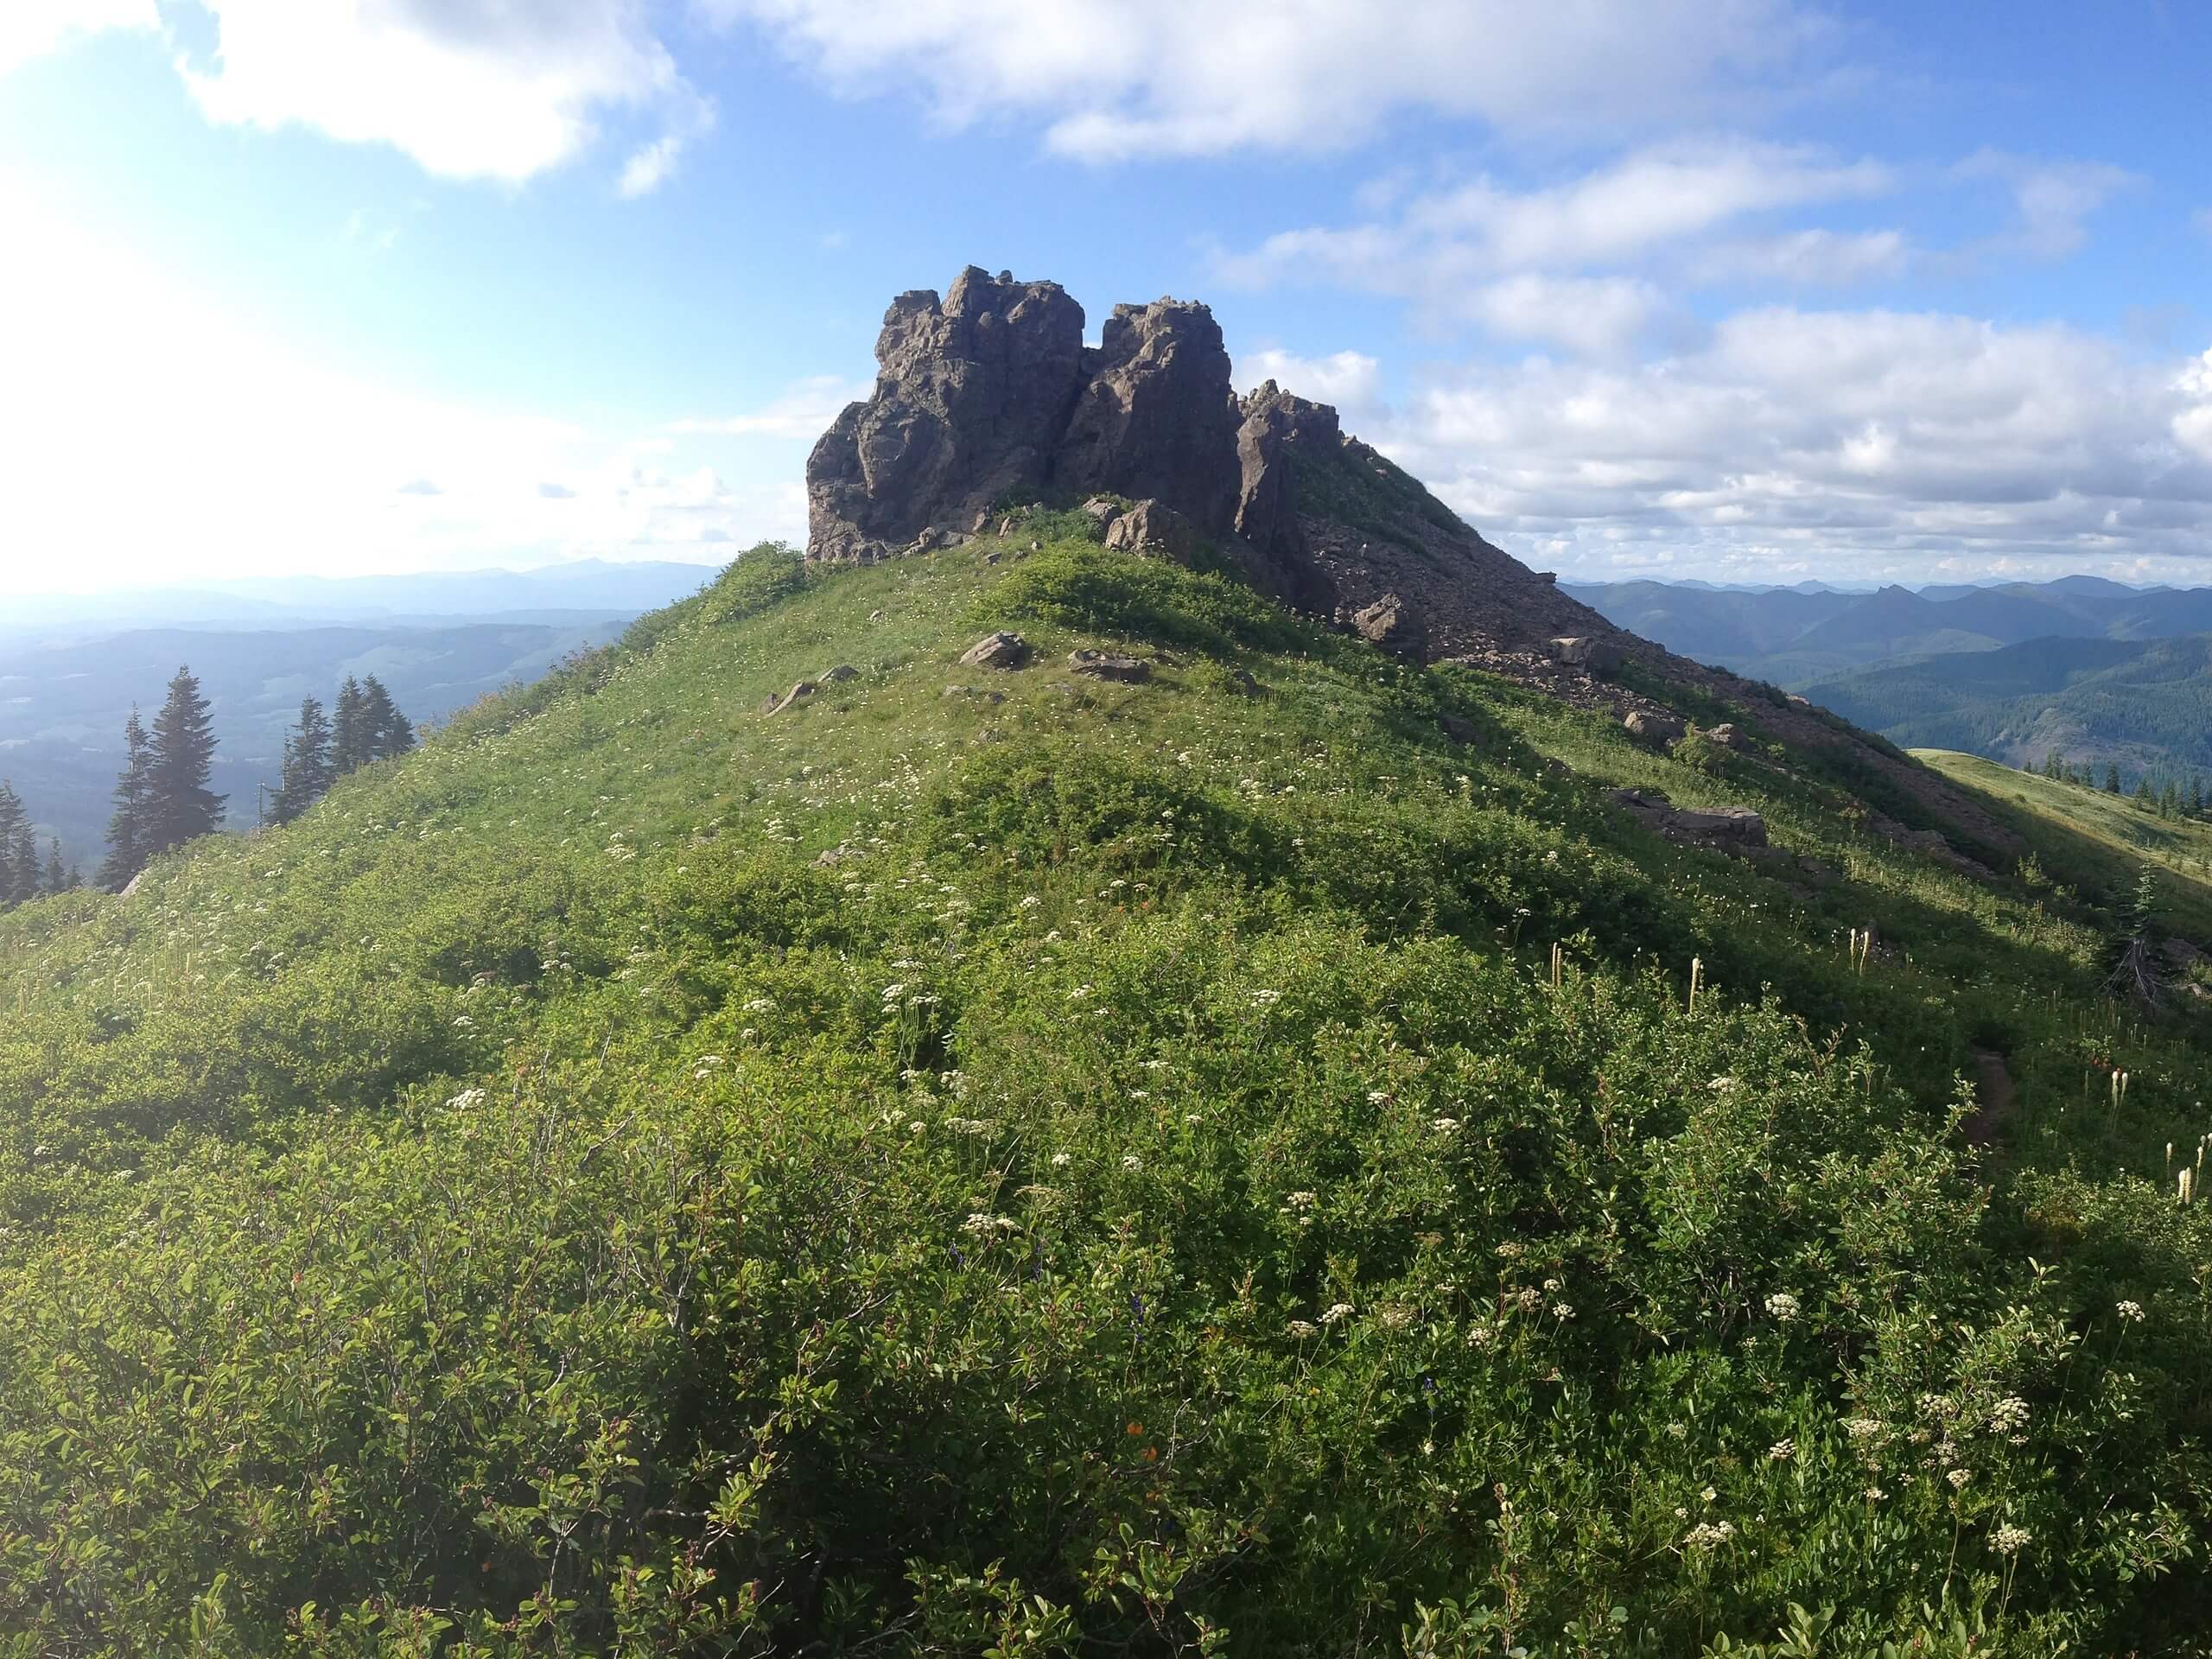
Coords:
pixel 1155 417
pixel 1392 624
pixel 1577 650
pixel 1150 527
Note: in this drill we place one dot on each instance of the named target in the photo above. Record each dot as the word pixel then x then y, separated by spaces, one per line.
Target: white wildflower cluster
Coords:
pixel 1443 1125
pixel 468 1100
pixel 982 1223
pixel 2130 1313
pixel 1394 1317
pixel 1782 1451
pixel 2009 1540
pixel 1302 1329
pixel 1337 1312
pixel 1709 1535
pixel 1131 1161
pixel 1265 999
pixel 971 1126
pixel 2009 1416
pixel 1783 1307
pixel 1958 1477
pixel 1060 1160
pixel 1481 1336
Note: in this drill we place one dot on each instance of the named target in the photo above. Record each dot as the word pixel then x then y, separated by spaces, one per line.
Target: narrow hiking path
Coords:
pixel 2000 1099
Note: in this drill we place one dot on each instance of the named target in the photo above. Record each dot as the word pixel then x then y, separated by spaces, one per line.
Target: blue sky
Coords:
pixel 1734 289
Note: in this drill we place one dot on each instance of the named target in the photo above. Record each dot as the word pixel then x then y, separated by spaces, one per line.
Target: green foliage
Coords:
pixel 1209 1165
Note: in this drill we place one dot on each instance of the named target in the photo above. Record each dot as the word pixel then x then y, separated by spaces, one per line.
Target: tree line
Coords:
pixel 161 798
pixel 23 875
pixel 2168 802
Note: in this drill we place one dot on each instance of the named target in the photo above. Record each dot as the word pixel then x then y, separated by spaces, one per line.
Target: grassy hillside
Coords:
pixel 2146 707
pixel 1006 1164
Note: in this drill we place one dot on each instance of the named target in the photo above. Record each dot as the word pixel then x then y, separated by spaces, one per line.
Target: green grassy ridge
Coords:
pixel 532 1204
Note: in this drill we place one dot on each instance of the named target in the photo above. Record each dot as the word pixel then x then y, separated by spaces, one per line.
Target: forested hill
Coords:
pixel 1178 1131
pixel 2145 707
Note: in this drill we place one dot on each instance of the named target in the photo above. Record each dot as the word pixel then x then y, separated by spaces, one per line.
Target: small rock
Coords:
pixel 1103 508
pixel 1658 730
pixel 1150 527
pixel 1106 665
pixel 1736 824
pixel 982 524
pixel 1581 651
pixel 1000 650
pixel 1391 623
pixel 974 692
pixel 835 855
pixel 875 616
pixel 843 671
pixel 1727 736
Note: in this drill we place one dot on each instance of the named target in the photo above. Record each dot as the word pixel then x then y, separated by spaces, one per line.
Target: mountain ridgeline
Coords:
pixel 1156 1050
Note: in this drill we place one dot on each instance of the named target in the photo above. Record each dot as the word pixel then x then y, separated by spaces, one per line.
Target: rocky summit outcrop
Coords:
pixel 987 403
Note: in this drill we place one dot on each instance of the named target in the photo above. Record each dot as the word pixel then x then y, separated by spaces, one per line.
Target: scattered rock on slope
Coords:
pixel 996 650
pixel 1108 665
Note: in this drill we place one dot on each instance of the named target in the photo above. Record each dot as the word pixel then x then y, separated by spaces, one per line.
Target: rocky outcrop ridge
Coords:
pixel 989 400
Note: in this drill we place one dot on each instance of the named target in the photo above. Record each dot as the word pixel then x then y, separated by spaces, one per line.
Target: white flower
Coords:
pixel 2008 1415
pixel 1443 1125
pixel 464 1023
pixel 2130 1311
pixel 1709 1494
pixel 1303 1328
pixel 1561 1311
pixel 1396 1317
pixel 1481 1336
pixel 1031 902
pixel 1376 1096
pixel 465 1099
pixel 2008 1539
pixel 1709 1535
pixel 1958 1477
pixel 980 1223
pixel 759 1005
pixel 1059 1160
pixel 1782 1451
pixel 1265 999
pixel 1132 1161
pixel 893 993
pixel 1334 1311
pixel 1783 1306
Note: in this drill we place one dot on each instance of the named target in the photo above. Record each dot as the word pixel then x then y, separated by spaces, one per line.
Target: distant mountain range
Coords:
pixel 1795 637
pixel 71 668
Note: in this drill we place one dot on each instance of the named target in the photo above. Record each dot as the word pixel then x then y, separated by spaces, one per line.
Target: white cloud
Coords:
pixel 469 89
pixel 1814 258
pixel 1594 316
pixel 1349 380
pixel 1793 440
pixel 802 413
pixel 31 29
pixel 2054 198
pixel 1515 260
pixel 1117 79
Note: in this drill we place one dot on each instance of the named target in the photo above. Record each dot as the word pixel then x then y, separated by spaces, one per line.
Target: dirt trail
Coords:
pixel 2000 1099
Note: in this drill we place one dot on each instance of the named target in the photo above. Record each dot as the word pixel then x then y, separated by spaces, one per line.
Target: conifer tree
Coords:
pixel 2111 778
pixel 353 745
pixel 18 851
pixel 60 877
pixel 308 767
pixel 180 807
pixel 127 845
pixel 2143 791
pixel 389 731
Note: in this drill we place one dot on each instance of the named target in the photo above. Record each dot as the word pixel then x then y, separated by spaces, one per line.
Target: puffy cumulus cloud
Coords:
pixel 1350 380
pixel 1812 258
pixel 148 431
pixel 1874 441
pixel 30 28
pixel 1522 261
pixel 470 89
pixel 1117 79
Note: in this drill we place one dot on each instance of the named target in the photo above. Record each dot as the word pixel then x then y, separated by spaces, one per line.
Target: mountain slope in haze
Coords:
pixel 1796 640
pixel 1005 1160
pixel 2146 707
pixel 62 706
pixel 559 594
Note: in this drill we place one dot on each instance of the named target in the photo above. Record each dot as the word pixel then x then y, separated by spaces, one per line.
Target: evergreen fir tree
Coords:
pixel 18 851
pixel 2195 797
pixel 2170 800
pixel 353 745
pixel 180 807
pixel 308 767
pixel 60 877
pixel 2051 763
pixel 389 731
pixel 127 845
pixel 2143 792
pixel 2111 778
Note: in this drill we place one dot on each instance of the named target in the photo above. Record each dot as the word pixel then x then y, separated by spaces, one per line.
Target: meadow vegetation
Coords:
pixel 1013 1165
